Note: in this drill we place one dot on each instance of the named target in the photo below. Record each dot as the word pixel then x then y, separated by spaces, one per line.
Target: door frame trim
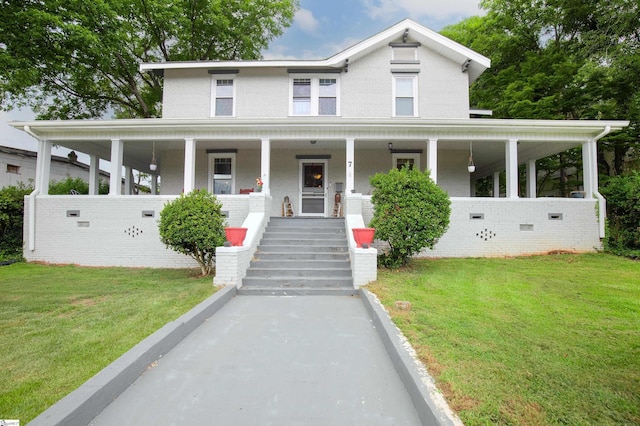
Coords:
pixel 325 182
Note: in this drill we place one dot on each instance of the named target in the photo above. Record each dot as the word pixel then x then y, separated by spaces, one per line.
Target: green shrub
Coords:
pixel 623 215
pixel 71 185
pixel 193 224
pixel 11 221
pixel 410 213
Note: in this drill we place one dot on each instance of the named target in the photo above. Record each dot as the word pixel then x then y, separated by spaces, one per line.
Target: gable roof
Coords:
pixel 470 61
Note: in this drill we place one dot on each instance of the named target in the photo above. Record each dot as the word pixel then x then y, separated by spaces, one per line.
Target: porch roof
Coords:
pixel 538 138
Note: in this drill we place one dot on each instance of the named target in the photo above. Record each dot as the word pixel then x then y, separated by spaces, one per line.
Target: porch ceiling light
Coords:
pixel 471 166
pixel 154 165
pixel 390 146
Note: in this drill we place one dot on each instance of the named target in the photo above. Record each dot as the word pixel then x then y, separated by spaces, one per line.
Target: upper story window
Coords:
pixel 314 96
pixel 223 95
pixel 405 95
pixel 301 96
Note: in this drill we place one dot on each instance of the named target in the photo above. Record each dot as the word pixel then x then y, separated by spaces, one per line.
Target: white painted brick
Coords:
pixel 116 235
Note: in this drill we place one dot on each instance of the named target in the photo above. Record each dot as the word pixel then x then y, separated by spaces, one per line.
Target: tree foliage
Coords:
pixel 410 213
pixel 623 214
pixel 11 220
pixel 561 59
pixel 75 185
pixel 79 59
pixel 193 224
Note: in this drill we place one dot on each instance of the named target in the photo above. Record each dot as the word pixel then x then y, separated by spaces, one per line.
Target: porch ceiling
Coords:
pixel 537 138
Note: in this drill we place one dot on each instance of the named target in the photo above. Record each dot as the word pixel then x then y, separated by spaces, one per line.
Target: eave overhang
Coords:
pixel 470 61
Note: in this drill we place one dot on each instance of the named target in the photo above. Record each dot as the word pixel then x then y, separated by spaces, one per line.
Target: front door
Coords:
pixel 313 187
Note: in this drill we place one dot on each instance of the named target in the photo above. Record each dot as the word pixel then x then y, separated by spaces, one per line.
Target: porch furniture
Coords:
pixel 246 190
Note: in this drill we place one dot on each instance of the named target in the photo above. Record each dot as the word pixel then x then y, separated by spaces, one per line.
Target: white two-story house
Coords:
pixel 310 129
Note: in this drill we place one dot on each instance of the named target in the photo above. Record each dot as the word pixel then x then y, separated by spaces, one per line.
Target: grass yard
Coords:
pixel 526 341
pixel 60 325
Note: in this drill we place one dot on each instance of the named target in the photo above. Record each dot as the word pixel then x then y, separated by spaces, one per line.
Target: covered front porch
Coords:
pixel 314 165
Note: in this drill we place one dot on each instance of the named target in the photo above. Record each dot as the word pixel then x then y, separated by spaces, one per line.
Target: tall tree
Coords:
pixel 561 59
pixel 78 59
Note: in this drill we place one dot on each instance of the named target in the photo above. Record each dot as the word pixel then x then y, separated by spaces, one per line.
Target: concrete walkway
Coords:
pixel 272 361
pixel 263 360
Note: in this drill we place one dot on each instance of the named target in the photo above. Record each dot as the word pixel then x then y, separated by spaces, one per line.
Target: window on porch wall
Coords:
pixel 222 173
pixel 400 160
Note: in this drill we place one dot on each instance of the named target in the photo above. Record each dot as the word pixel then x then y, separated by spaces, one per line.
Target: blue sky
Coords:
pixel 320 29
pixel 323 28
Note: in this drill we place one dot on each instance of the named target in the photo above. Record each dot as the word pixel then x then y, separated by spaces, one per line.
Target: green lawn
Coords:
pixel 60 325
pixel 526 341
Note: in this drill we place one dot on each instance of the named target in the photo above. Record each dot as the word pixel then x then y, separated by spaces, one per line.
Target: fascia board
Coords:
pixel 432 39
pixel 579 128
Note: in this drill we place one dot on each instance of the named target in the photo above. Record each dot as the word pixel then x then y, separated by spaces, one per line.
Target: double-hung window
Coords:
pixel 301 96
pixel 314 96
pixel 405 95
pixel 328 96
pixel 223 95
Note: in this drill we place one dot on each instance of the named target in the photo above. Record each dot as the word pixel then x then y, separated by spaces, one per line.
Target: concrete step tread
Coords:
pixel 276 291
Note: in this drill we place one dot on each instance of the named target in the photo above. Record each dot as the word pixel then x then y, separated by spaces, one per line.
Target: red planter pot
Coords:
pixel 363 236
pixel 235 235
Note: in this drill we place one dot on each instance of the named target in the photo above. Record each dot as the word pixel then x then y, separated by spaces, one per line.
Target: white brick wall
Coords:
pixel 365 90
pixel 110 231
pixel 513 227
pixel 452 171
pixel 186 94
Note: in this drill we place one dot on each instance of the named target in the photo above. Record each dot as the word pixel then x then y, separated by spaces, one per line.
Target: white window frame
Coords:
pixel 414 78
pixel 214 86
pixel 315 93
pixel 415 156
pixel 211 175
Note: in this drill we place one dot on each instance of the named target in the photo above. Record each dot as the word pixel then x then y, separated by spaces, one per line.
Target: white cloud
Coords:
pixel 306 21
pixel 438 9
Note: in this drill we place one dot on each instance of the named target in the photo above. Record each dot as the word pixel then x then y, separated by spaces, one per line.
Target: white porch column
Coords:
pixel 265 165
pixel 589 168
pixel 511 159
pixel 189 165
pixel 350 166
pixel 154 184
pixel 43 166
pixel 432 158
pixel 496 184
pixel 115 180
pixel 94 174
pixel 128 180
pixel 532 179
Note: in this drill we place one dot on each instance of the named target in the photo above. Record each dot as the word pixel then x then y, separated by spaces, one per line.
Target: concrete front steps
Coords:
pixel 301 256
